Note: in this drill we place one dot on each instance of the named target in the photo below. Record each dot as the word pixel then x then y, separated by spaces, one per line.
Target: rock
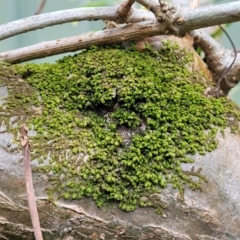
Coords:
pixel 213 213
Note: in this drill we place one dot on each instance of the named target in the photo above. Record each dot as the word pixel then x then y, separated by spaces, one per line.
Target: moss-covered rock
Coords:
pixel 115 124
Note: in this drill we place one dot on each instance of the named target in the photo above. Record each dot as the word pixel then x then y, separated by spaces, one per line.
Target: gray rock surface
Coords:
pixel 213 213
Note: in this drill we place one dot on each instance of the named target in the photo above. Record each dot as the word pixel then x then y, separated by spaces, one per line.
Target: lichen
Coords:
pixel 115 124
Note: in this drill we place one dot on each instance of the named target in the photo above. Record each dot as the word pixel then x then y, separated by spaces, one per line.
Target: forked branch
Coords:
pixel 124 9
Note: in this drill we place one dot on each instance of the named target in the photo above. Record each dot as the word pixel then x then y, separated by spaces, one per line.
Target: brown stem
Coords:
pixel 193 4
pixel 124 10
pixel 29 183
pixel 40 7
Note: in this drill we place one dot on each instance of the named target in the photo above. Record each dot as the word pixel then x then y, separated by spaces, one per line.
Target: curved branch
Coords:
pixel 149 4
pixel 193 4
pixel 186 21
pixel 40 7
pixel 210 16
pixel 218 59
pixel 59 17
pixel 125 9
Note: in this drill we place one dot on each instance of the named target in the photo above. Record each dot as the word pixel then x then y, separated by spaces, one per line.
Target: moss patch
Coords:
pixel 115 125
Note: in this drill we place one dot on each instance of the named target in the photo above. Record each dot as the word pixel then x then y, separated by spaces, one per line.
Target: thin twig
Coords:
pixel 149 4
pixel 40 7
pixel 135 31
pixel 124 9
pixel 29 183
pixel 193 4
pixel 227 70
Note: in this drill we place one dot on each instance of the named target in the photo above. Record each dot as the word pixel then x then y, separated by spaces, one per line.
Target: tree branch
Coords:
pixel 40 7
pixel 224 83
pixel 214 15
pixel 124 9
pixel 192 19
pixel 59 17
pixel 193 4
pixel 218 59
pixel 134 31
pixel 183 22
pixel 149 4
pixel 189 20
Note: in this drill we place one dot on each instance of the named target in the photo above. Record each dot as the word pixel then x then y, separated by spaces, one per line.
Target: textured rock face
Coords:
pixel 213 213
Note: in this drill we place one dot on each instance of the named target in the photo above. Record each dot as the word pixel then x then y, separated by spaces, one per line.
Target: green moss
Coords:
pixel 115 125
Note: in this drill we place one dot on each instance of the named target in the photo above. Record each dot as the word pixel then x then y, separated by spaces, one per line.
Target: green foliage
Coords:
pixel 115 124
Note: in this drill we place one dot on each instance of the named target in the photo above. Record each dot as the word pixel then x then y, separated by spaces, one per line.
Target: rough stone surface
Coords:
pixel 213 213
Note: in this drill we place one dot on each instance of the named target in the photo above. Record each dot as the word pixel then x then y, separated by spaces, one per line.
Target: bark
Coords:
pixel 40 7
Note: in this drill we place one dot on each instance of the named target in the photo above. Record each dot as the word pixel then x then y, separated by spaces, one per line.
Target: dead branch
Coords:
pixel 218 59
pixel 40 7
pixel 135 31
pixel 132 31
pixel 29 183
pixel 193 4
pixel 170 20
pixel 124 9
pixel 192 19
pixel 77 14
pixel 151 5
